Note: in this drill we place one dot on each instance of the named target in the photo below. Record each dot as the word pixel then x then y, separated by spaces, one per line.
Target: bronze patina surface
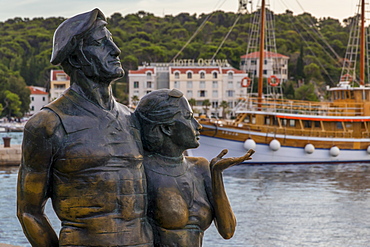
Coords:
pixel 84 151
pixel 185 194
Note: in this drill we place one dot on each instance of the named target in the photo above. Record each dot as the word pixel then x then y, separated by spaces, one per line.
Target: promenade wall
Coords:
pixel 10 156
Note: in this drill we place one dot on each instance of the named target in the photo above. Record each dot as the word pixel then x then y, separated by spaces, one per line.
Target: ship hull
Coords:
pixel 211 146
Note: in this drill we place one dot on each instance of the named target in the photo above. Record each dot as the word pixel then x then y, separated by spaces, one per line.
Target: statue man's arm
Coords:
pixel 34 179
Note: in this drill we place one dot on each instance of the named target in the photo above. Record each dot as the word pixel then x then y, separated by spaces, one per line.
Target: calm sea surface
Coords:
pixel 275 205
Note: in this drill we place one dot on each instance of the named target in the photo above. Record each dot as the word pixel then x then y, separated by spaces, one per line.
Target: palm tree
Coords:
pixel 192 103
pixel 206 103
pixel 224 106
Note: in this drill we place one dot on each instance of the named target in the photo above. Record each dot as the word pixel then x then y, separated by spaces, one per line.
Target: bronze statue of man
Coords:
pixel 84 151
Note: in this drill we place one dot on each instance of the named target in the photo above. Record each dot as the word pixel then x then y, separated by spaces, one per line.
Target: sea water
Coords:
pixel 275 205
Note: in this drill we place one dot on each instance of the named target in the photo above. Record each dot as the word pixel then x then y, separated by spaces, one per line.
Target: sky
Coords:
pixel 339 9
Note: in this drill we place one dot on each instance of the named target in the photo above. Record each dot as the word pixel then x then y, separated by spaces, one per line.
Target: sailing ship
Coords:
pixel 292 131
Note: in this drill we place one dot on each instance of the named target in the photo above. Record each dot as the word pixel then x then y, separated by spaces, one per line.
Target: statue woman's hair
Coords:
pixel 154 109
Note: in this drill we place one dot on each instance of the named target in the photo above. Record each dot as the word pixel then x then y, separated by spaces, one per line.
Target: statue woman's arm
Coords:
pixel 225 220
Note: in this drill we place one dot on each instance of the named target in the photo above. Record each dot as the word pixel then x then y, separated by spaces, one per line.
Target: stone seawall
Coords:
pixel 10 156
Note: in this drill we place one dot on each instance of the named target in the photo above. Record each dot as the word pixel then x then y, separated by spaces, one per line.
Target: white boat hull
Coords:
pixel 211 147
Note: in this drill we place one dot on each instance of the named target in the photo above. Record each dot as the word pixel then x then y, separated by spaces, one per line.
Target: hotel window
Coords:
pixel 202 84
pixel 189 75
pixel 202 93
pixel 253 62
pixel 230 104
pixel 136 92
pixel 230 75
pixel 230 84
pixel 214 104
pixel 149 84
pixel 189 84
pixel 148 91
pixel 177 75
pixel 136 84
pixel 215 93
pixel 43 98
pixel 265 72
pixel 214 75
pixel 202 75
pixel 230 93
pixel 32 98
pixel 148 76
pixel 214 84
pixel 189 94
pixel 176 84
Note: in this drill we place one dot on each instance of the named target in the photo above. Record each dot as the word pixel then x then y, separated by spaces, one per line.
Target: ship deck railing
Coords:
pixel 271 131
pixel 301 107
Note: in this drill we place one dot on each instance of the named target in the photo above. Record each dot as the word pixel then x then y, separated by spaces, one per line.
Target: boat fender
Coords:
pixel 368 150
pixel 249 144
pixel 275 145
pixel 334 151
pixel 309 148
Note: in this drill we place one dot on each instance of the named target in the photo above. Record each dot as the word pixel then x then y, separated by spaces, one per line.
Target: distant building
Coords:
pixel 200 80
pixel 39 98
pixel 274 64
pixel 59 82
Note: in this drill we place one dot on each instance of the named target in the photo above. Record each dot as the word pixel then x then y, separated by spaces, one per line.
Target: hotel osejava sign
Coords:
pixel 200 62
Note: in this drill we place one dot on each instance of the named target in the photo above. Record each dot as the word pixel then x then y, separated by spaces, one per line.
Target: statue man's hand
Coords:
pixel 220 164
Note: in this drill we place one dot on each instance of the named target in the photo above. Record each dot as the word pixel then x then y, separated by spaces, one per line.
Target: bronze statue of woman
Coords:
pixel 185 194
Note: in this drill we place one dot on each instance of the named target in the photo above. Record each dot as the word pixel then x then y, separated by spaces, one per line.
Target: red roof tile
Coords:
pixel 141 71
pixel 55 72
pixel 36 91
pixel 236 71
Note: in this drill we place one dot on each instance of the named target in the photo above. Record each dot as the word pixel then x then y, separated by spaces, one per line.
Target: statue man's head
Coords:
pixel 84 43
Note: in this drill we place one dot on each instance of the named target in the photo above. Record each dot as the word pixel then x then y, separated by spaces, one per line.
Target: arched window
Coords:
pixel 215 74
pixel 190 75
pixel 202 75
pixel 177 75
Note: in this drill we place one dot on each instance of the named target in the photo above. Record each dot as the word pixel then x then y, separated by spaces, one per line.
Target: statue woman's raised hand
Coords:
pixel 218 163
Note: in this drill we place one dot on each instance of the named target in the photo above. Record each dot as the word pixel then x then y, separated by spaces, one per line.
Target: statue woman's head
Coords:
pixel 164 113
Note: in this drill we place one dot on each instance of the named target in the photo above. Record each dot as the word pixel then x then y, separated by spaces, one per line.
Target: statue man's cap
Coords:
pixel 68 34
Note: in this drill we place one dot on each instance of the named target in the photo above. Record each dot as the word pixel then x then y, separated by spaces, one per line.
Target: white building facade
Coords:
pixel 201 80
pixel 275 64
pixel 39 98
pixel 59 82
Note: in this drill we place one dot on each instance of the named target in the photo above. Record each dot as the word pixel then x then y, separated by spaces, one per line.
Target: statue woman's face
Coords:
pixel 185 132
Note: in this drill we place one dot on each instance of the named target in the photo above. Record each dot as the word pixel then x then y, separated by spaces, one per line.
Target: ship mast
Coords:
pixel 362 44
pixel 261 56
